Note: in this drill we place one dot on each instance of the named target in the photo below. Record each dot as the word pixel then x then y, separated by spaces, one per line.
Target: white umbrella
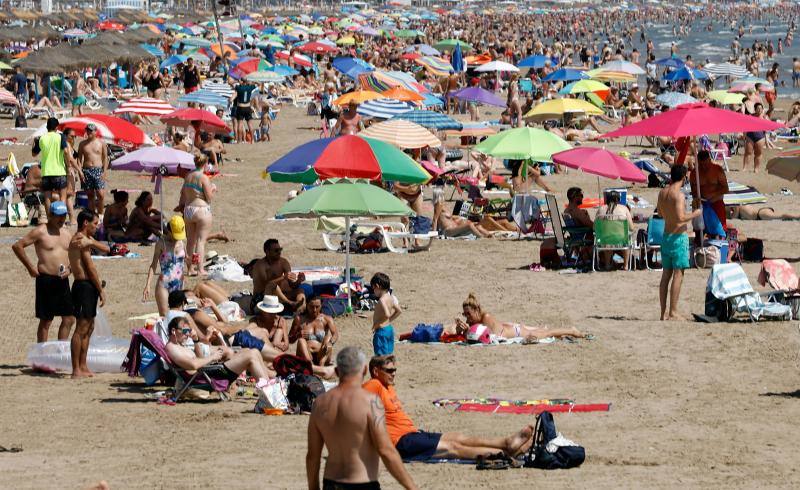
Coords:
pixel 497 66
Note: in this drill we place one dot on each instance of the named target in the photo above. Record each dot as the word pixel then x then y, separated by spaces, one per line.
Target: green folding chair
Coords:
pixel 611 234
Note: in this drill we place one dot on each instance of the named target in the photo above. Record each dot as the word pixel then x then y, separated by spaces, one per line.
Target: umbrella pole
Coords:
pixel 159 183
pixel 347 262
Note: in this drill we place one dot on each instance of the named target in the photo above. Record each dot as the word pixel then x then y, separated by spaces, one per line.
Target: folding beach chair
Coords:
pixel 781 276
pixel 201 378
pixel 652 242
pixel 568 239
pixel 611 234
pixel 729 286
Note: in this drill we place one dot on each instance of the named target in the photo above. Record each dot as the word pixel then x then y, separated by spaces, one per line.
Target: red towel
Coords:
pixel 533 409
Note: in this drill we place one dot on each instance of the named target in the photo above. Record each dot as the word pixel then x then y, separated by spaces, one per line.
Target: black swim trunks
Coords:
pixel 84 299
pixel 418 446
pixel 335 485
pixel 54 182
pixel 222 372
pixel 53 297
pixel 244 113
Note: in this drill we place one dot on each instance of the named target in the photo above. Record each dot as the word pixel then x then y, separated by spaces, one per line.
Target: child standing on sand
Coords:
pixel 386 311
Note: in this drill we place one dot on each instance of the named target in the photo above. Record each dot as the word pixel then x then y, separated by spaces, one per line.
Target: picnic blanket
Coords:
pixel 521 407
pixel 739 194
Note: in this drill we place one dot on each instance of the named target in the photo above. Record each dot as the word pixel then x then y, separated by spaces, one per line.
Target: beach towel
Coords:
pixel 739 194
pixel 779 274
pixel 521 407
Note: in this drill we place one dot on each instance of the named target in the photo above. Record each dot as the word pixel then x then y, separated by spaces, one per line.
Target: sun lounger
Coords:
pixel 729 284
pixel 201 378
pixel 781 276
pixel 390 231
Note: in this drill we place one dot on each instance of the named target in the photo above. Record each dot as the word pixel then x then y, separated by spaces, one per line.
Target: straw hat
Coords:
pixel 270 304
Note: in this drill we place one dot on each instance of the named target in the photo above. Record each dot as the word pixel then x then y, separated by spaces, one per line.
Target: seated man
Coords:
pixel 416 445
pixel 268 325
pixel 245 360
pixel 315 332
pixel 273 275
pixel 763 213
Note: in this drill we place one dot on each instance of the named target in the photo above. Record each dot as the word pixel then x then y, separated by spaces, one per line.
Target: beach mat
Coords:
pixel 534 409
pixel 740 194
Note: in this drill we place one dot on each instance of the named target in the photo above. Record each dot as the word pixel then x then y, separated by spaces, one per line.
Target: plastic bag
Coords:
pixel 272 395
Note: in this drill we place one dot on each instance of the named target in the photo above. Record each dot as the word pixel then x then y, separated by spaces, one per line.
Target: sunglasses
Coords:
pixel 389 371
pixel 277 250
pixel 186 331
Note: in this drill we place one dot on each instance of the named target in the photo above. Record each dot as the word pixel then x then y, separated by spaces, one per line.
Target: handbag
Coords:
pixel 550 450
pixel 706 257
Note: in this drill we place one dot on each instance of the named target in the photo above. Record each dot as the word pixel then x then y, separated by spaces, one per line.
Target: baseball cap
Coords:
pixel 177 227
pixel 479 334
pixel 58 208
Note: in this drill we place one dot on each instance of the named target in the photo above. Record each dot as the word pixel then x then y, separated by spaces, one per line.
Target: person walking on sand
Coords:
pixel 675 246
pixel 350 422
pixel 53 298
pixel 87 290
pixel 93 160
pixel 386 312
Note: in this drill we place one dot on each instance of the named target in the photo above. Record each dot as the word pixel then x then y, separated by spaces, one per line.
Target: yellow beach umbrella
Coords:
pixel 611 76
pixel 559 107
pixel 402 134
pixel 357 96
pixel 346 41
pixel 725 98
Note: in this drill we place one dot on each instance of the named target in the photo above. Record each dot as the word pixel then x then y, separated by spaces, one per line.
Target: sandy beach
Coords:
pixel 692 405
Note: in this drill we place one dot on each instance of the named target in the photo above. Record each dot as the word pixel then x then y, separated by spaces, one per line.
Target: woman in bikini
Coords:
pixel 144 220
pixel 514 107
pixel 195 204
pixel 315 333
pixel 755 141
pixel 474 314
pixel 170 256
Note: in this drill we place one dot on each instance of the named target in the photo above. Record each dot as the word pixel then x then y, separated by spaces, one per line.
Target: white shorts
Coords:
pixel 437 194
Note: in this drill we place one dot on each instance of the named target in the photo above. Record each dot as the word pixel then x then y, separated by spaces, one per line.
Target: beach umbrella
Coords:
pixel 347 198
pixel 686 73
pixel 402 94
pixel 535 61
pixel 583 86
pixel 746 83
pixel 111 129
pixel 383 108
pixel 694 120
pixel 457 60
pixel 725 98
pixel 431 100
pixel 380 81
pixel 477 94
pixel 109 25
pixel 351 67
pixel 346 41
pixel 264 76
pixel 408 33
pixel 7 97
pixel 785 166
pixel 152 49
pixel 173 60
pixel 368 31
pixel 317 47
pixel 611 76
pixel 422 49
pixel 402 134
pixel 244 66
pixel 204 97
pixel 198 42
pixel 430 119
pixel 497 66
pixel 437 66
pixel 220 88
pixel 565 75
pixel 450 45
pixel 286 71
pixel 670 62
pixel 623 66
pixel 346 156
pixel 672 99
pixel 145 106
pixel 297 59
pixel 726 69
pixel 185 117
pixel 5 66
pixel 600 162
pixel 75 33
pixel 523 144
pixel 357 96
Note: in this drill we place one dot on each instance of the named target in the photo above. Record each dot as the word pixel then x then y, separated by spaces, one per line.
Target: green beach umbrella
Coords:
pixel 408 33
pixel 450 44
pixel 4 66
pixel 725 98
pixel 523 144
pixel 349 198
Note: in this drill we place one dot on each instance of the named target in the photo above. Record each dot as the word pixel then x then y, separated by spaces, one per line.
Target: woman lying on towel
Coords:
pixel 474 314
pixel 764 213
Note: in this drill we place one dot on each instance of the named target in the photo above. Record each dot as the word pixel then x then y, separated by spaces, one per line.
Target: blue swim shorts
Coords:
pixel 675 251
pixel 245 339
pixel 383 341
pixel 418 446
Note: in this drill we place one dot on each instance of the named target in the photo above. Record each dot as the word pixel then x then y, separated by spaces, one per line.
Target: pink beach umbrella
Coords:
pixel 600 162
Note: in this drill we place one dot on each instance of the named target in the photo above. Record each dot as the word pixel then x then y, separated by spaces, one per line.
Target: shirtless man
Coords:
pixel 675 245
pixel 78 94
pixel 350 422
pixel 349 121
pixel 93 159
pixel 53 298
pixel 272 272
pixel 86 290
pixel 315 332
pixel 713 185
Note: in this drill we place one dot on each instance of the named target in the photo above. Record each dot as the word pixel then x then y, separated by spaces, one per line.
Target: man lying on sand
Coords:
pixel 474 314
pixel 416 445
pixel 763 213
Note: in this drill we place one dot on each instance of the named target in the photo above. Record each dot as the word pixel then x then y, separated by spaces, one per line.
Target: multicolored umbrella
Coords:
pixel 437 66
pixel 601 162
pixel 402 134
pixel 185 117
pixel 346 156
pixel 383 108
pixel 523 144
pixel 145 106
pixel 477 94
pixel 583 86
pixel 111 129
pixel 381 81
pixel 430 119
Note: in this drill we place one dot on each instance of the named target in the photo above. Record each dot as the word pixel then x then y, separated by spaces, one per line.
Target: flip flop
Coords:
pixel 10 449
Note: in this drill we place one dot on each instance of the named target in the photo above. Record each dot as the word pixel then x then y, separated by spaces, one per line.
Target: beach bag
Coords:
pixel 752 250
pixel 420 225
pixel 706 257
pixel 20 121
pixel 288 364
pixel 334 307
pixel 427 333
pixel 551 450
pixel 272 395
pixel 717 308
pixel 17 214
pixel 244 300
pixel 302 390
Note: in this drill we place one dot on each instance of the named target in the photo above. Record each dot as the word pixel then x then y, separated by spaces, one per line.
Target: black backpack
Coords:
pixel 302 391
pixel 568 456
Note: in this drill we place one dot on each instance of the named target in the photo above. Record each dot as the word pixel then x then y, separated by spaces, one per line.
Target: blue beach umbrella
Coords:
pixel 686 73
pixel 352 67
pixel 535 61
pixel 565 74
pixel 173 60
pixel 670 62
pixel 457 60
pixel 430 119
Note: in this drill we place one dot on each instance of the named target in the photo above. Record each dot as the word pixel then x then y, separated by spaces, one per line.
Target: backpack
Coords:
pixel 288 364
pixel 427 333
pixel 550 450
pixel 753 250
pixel 302 391
pixel 20 121
pixel 718 309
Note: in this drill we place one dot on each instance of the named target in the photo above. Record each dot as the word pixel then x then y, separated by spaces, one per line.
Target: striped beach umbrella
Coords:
pixel 583 86
pixel 264 76
pixel 381 81
pixel 402 134
pixel 154 50
pixel 7 97
pixel 145 106
pixel 204 97
pixel 220 88
pixel 435 65
pixel 383 108
pixel 430 119
pixel 726 69
pixel 111 129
